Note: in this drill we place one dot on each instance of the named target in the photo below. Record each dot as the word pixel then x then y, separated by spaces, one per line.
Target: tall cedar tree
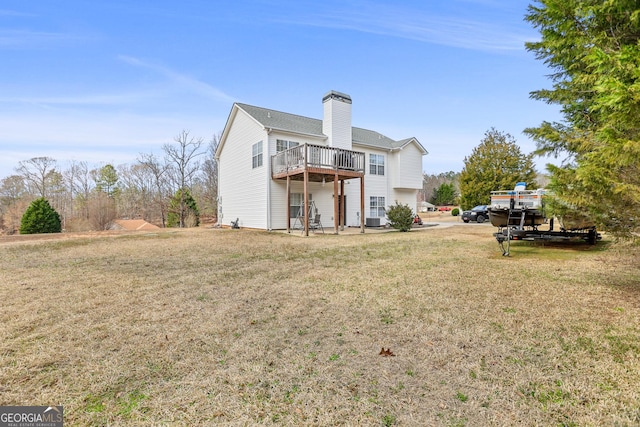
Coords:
pixel 40 217
pixel 593 50
pixel 496 164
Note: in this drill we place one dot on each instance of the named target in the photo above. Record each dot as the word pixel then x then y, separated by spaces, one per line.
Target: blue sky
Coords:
pixel 103 81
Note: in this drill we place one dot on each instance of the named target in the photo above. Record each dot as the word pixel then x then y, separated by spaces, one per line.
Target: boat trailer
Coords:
pixel 506 234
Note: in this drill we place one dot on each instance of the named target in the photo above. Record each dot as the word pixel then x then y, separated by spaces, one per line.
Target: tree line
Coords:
pixel 174 189
pixel 592 48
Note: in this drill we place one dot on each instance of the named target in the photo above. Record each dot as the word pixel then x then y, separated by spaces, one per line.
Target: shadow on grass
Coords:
pixel 554 250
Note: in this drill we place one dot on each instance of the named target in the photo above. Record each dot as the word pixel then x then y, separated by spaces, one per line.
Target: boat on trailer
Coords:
pixel 517 207
pixel 519 213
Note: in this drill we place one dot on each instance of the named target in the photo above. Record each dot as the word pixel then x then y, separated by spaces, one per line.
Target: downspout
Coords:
pixel 389 184
pixel 218 198
pixel 269 227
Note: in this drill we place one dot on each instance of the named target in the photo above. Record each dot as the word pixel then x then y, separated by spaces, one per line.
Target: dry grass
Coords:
pixel 231 327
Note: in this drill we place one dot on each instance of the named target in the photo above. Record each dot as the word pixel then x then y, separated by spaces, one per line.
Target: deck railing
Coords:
pixel 317 156
pixel 531 199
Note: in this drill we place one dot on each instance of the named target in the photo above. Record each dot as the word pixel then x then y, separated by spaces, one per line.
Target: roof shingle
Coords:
pixel 287 122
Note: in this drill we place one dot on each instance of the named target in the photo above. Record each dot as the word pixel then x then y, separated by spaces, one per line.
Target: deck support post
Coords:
pixel 288 204
pixel 342 199
pixel 306 203
pixel 362 204
pixel 336 204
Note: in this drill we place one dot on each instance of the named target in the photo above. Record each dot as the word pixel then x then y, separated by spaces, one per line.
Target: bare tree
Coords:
pixel 135 191
pixel 69 178
pixel 13 201
pixel 102 210
pixel 182 156
pixel 431 183
pixel 12 189
pixel 160 191
pixel 79 176
pixel 36 172
pixel 57 195
pixel 206 184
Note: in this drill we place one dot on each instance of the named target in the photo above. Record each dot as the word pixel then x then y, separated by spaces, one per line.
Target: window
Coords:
pixel 282 145
pixel 376 164
pixel 297 202
pixel 257 154
pixel 376 207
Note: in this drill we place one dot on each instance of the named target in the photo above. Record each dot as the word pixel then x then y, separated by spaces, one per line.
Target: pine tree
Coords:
pixel 40 217
pixel 445 194
pixel 187 217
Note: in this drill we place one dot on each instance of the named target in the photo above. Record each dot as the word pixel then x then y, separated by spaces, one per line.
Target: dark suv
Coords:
pixel 478 214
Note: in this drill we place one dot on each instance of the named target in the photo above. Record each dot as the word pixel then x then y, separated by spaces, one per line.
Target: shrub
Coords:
pixel 40 217
pixel 455 212
pixel 400 217
pixel 102 210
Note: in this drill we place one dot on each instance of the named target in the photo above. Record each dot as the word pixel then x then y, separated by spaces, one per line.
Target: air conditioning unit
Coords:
pixel 372 222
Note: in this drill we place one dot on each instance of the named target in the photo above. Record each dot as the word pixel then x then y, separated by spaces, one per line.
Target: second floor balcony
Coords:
pixel 322 163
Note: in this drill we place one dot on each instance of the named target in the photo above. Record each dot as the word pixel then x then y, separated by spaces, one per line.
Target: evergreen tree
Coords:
pixel 40 217
pixel 496 164
pixel 107 180
pixel 445 194
pixel 187 217
pixel 593 49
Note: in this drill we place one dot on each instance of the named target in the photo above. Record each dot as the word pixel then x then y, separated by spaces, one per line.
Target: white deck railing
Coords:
pixel 529 199
pixel 317 156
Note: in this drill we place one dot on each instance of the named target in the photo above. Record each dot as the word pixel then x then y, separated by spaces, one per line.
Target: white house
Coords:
pixel 271 164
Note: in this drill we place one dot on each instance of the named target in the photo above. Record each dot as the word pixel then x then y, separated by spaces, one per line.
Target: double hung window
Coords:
pixel 256 158
pixel 376 164
pixel 376 207
pixel 296 203
pixel 282 145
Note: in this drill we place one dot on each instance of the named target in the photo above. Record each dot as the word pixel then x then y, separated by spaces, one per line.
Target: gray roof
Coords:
pixel 278 120
pixel 284 121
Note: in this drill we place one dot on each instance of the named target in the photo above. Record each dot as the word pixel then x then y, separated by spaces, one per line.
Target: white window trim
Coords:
pixel 288 144
pixel 257 155
pixel 377 209
pixel 376 164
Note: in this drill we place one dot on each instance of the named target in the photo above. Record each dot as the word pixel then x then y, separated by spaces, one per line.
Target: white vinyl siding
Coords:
pixel 242 188
pixel 405 197
pixel 408 168
pixel 336 123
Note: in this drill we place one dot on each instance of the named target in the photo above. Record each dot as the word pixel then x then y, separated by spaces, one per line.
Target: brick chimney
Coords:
pixel 336 122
